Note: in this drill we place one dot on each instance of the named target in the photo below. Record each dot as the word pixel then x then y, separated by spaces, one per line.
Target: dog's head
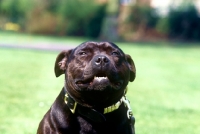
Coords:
pixel 95 73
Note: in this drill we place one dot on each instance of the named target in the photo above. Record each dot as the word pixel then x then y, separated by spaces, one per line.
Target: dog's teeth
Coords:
pixel 100 78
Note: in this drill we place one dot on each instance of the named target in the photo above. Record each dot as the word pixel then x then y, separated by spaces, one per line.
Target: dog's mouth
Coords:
pixel 99 82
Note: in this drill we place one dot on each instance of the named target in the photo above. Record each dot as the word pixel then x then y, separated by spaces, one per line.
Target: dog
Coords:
pixel 93 99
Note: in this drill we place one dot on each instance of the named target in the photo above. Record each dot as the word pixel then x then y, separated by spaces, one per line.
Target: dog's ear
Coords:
pixel 131 67
pixel 61 60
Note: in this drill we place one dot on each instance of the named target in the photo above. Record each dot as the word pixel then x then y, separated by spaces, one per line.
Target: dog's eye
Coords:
pixel 115 53
pixel 82 53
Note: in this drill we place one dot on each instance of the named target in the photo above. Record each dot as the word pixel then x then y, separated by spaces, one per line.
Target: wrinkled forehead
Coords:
pixel 101 46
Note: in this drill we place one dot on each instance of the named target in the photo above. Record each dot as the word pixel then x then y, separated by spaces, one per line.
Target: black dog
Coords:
pixel 93 98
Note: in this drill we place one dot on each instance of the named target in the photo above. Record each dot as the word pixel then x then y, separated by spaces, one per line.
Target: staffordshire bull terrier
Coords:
pixel 93 99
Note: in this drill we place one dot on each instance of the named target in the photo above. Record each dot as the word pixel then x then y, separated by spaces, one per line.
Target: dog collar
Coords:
pixel 92 114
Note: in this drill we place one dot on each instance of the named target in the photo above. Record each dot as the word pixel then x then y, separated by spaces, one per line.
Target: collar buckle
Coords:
pixel 71 103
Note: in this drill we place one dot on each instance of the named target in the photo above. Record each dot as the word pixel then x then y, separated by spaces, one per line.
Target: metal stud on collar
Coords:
pixel 127 104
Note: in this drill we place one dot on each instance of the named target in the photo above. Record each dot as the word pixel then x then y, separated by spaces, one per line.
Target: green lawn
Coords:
pixel 165 96
pixel 26 39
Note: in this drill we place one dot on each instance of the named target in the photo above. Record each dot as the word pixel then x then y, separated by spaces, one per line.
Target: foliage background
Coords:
pixel 138 21
pixel 71 17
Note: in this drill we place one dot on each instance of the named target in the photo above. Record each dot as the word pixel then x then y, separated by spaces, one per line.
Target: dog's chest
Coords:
pixel 100 128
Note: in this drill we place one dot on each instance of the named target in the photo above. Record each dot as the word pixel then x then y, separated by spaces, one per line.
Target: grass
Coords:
pixel 27 89
pixel 164 97
pixel 26 39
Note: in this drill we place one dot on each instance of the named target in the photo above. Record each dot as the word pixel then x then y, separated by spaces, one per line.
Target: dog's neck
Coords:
pixel 93 114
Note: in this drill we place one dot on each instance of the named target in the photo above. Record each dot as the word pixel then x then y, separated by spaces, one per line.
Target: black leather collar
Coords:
pixel 92 114
pixel 87 112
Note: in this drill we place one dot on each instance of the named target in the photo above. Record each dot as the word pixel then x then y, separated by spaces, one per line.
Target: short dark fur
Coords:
pixel 80 66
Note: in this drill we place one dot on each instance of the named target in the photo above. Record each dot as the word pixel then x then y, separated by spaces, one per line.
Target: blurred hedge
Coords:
pixel 143 15
pixel 184 23
pixel 138 22
pixel 63 17
pixel 144 23
pixel 85 18
pixel 82 17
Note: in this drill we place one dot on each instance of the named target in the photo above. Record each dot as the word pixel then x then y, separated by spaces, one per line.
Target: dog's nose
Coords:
pixel 101 60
